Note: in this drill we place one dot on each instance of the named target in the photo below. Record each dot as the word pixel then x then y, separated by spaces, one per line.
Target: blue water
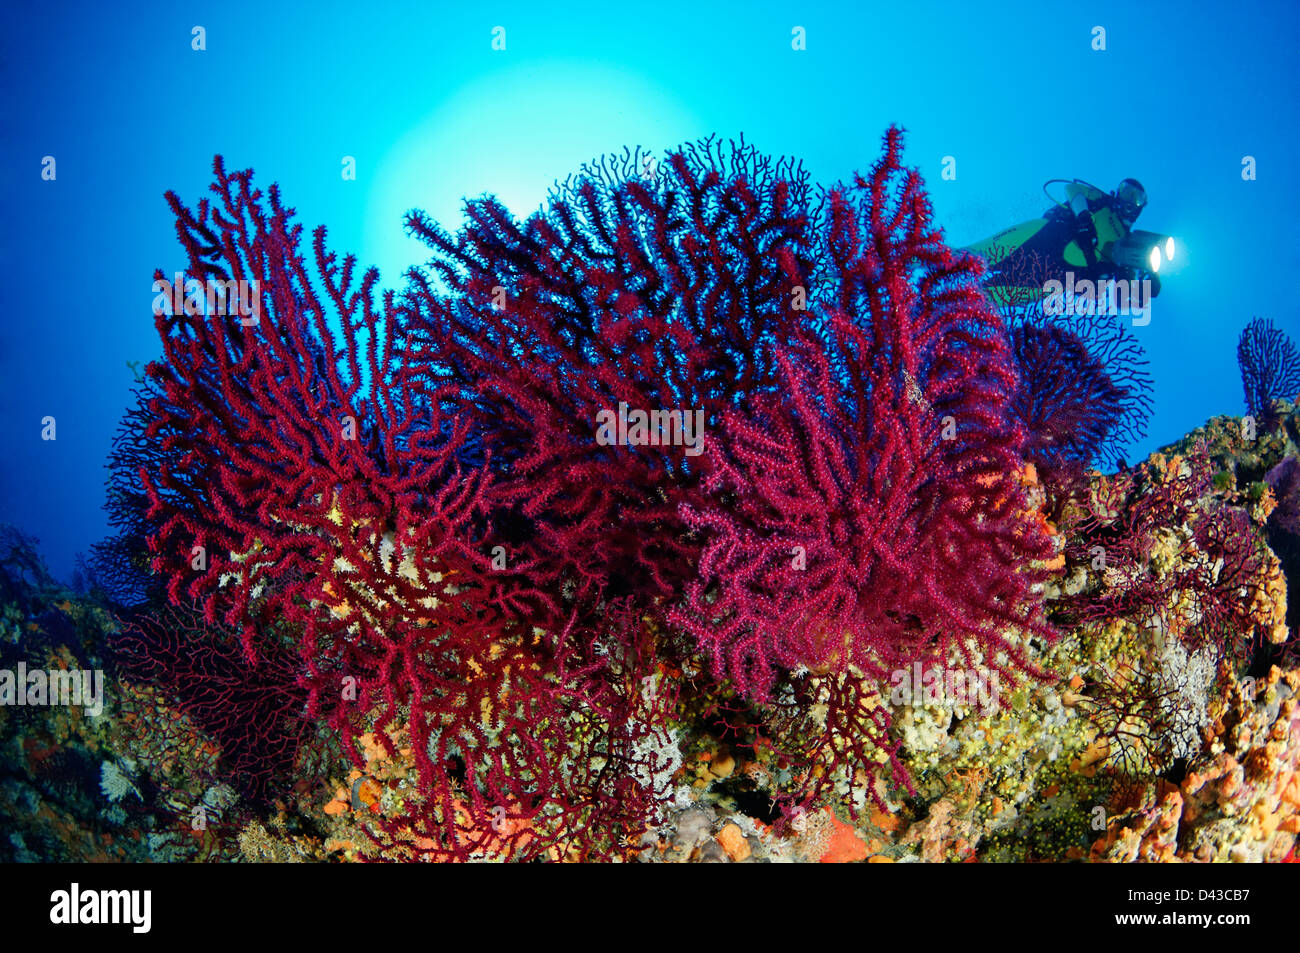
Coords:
pixel 432 113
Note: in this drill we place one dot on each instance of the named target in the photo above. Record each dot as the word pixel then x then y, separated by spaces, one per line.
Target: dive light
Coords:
pixel 1146 251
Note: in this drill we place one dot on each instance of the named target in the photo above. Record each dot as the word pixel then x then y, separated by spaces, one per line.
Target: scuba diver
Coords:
pixel 1089 235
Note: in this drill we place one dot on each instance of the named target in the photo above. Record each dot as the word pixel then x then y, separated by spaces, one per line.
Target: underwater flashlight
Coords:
pixel 1141 250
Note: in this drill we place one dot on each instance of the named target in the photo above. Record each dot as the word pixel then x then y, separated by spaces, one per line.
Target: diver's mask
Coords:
pixel 1130 198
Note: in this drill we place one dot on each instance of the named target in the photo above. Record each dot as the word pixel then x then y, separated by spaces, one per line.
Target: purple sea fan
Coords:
pixel 1285 482
pixel 869 513
pixel 1270 369
pixel 1085 393
pixel 1070 406
pixel 1205 584
pixel 255 711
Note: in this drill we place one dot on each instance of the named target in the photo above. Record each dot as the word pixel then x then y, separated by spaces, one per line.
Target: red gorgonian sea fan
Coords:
pixel 869 512
pixel 852 382
pixel 311 488
pixel 644 287
pixel 346 476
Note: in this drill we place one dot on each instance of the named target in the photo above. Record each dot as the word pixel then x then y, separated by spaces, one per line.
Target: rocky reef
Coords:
pixel 1161 728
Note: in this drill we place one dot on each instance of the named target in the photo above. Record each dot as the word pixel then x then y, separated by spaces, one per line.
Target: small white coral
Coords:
pixel 114 782
pixel 657 756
